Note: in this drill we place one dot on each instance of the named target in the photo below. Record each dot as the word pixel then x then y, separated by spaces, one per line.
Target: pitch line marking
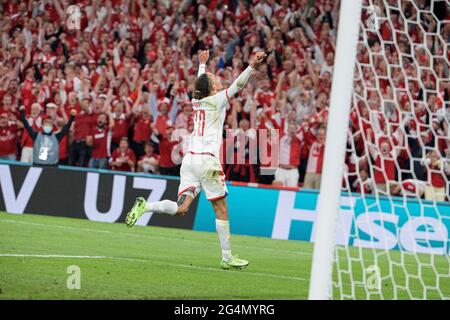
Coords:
pixel 150 236
pixel 54 225
pixel 20 255
pixel 171 238
pixel 165 264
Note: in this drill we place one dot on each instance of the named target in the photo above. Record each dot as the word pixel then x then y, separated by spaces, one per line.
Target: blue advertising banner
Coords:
pixel 97 195
pixel 379 223
pixel 413 225
pixel 251 211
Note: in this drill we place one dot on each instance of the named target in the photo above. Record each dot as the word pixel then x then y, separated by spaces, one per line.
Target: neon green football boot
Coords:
pixel 136 212
pixel 234 263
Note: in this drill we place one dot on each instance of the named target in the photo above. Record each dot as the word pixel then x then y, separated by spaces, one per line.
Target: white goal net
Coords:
pixel 394 221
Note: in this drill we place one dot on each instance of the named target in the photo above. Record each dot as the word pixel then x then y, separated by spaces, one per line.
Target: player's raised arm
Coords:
pixel 255 61
pixel 203 59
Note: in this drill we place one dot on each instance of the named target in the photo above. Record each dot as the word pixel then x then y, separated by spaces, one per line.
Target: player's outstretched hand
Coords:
pixel 203 57
pixel 257 59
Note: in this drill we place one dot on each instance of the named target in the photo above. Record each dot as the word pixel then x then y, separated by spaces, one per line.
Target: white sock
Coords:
pixel 164 206
pixel 223 230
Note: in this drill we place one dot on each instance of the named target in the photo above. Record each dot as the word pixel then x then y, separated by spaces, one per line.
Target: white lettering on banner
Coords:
pixel 435 230
pixel 158 187
pixel 17 204
pixel 418 234
pixel 345 219
pixel 380 237
pixel 117 198
pixel 286 213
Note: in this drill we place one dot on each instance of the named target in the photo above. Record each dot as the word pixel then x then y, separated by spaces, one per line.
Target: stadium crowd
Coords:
pixel 128 68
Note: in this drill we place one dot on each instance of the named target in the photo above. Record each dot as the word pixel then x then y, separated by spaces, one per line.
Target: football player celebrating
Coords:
pixel 201 168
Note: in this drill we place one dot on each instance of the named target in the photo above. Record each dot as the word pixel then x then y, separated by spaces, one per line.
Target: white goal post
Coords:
pixel 333 166
pixel 383 212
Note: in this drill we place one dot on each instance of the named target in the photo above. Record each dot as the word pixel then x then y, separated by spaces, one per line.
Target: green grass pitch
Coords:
pixel 161 263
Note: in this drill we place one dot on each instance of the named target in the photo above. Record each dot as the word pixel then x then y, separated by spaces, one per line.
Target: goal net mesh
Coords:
pixel 393 227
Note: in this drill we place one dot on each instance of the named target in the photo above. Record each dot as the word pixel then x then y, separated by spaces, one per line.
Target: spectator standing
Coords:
pixel 163 113
pixel 384 165
pixel 142 131
pixel 306 137
pixel 182 119
pixel 8 138
pixel 290 146
pixel 121 118
pixel 315 161
pixel 435 189
pixel 166 148
pixel 269 155
pixel 63 144
pixel 363 183
pixel 149 162
pixel 101 137
pixel 123 158
pixel 79 148
pixel 35 121
pixel 46 143
pixel 7 104
pixel 244 151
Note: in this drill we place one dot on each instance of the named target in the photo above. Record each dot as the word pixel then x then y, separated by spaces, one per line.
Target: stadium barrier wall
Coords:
pixel 384 223
pixel 103 195
pixel 97 195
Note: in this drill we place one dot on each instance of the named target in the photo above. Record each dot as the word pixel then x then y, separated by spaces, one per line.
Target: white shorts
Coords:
pixel 192 178
pixel 289 177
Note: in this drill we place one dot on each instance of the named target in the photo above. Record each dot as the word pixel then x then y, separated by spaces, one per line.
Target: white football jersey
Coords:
pixel 209 117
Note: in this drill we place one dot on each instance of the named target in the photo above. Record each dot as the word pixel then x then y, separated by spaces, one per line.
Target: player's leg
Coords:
pixel 213 183
pixel 164 206
pixel 184 202
pixel 189 184
pixel 223 231
pixel 187 190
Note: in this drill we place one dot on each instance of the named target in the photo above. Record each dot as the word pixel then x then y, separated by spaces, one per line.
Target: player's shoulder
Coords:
pixel 198 104
pixel 207 102
pixel 223 94
pixel 221 98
